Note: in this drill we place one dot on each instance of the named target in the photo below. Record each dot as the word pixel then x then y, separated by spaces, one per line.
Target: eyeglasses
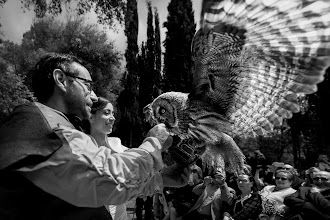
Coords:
pixel 320 178
pixel 281 178
pixel 284 168
pixel 243 181
pixel 87 83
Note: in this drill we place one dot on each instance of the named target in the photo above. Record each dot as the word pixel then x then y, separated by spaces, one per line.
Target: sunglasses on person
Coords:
pixel 281 178
pixel 320 178
pixel 87 83
pixel 284 168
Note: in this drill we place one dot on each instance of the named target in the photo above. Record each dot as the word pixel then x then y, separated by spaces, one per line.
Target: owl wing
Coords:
pixel 253 58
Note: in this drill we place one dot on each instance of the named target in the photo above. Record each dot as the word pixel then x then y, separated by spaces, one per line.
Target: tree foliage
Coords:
pixel 181 28
pixel 13 91
pixel 150 72
pixel 49 35
pixel 130 125
pixel 83 40
pixel 158 57
pixel 108 12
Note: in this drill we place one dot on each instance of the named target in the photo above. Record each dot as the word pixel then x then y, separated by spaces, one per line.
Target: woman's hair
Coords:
pixel 289 172
pixel 99 104
pixel 251 179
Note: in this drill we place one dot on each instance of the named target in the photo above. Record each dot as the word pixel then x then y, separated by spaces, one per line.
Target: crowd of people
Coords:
pixel 57 162
pixel 266 192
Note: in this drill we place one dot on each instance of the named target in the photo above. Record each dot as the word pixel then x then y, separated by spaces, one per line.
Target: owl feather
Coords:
pixel 252 59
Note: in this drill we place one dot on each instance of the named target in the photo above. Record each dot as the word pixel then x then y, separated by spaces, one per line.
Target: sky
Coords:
pixel 16 21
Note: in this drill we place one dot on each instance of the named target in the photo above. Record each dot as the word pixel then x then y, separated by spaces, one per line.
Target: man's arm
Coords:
pixel 86 175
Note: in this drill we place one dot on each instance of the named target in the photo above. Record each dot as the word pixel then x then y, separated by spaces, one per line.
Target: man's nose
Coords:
pixel 93 96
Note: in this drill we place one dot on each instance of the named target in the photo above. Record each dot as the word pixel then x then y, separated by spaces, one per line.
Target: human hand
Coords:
pixel 159 131
pixel 258 169
pixel 219 178
pixel 174 176
pixel 315 189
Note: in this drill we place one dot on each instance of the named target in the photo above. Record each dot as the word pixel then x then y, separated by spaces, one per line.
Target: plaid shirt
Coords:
pixel 250 209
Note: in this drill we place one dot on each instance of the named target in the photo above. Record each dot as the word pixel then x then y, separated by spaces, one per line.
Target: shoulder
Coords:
pixel 53 117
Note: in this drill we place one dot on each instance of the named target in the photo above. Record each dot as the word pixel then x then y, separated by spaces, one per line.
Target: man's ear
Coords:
pixel 60 79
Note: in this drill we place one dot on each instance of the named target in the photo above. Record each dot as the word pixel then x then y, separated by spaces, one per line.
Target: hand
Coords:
pixel 272 168
pixel 159 131
pixel 173 176
pixel 219 178
pixel 315 189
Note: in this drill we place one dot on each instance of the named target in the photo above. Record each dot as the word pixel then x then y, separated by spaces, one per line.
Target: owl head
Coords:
pixel 168 108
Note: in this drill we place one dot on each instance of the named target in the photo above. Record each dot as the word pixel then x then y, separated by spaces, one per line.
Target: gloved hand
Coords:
pixel 159 131
pixel 182 152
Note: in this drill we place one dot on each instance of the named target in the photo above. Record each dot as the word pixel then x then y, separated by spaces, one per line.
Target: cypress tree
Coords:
pixel 129 126
pixel 158 56
pixel 181 28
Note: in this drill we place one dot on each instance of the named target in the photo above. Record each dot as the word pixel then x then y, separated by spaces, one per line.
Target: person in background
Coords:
pixel 101 123
pixel 180 200
pixel 311 202
pixel 309 175
pixel 209 205
pixel 247 204
pixel 323 162
pixel 273 195
pixel 297 181
pixel 50 169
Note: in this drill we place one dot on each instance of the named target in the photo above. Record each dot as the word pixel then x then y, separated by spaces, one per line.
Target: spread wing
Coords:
pixel 254 57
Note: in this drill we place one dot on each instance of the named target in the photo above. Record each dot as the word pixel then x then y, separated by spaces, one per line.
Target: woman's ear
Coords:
pixel 60 79
pixel 91 119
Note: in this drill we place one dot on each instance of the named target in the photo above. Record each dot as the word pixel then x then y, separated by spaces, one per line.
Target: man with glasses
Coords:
pixel 321 180
pixel 49 169
pixel 312 202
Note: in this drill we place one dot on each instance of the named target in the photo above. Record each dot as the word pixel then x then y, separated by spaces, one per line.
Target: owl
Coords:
pixel 252 60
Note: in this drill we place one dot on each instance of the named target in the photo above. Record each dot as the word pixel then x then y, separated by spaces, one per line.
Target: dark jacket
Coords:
pixel 308 205
pixel 27 139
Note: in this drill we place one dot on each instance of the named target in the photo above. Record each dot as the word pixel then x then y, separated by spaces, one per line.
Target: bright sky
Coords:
pixel 15 22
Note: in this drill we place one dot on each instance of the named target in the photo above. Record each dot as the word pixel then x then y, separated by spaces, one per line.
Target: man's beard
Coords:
pixel 79 109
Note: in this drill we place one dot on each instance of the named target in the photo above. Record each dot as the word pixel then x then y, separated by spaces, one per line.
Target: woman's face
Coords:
pixel 282 181
pixel 102 121
pixel 244 183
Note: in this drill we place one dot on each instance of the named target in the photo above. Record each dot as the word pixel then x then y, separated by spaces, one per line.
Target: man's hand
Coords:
pixel 173 176
pixel 159 131
pixel 315 189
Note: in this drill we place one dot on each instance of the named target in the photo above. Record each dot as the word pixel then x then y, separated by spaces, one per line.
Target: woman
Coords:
pixel 247 205
pixel 273 195
pixel 101 124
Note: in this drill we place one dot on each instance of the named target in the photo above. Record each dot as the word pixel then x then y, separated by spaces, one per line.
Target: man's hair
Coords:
pixel 42 77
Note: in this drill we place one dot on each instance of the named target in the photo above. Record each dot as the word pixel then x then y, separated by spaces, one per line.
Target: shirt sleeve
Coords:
pixel 84 174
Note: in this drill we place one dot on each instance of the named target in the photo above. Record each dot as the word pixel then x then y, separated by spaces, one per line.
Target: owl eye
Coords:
pixel 162 111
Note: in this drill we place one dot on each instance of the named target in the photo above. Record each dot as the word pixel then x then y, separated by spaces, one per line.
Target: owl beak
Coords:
pixel 147 113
